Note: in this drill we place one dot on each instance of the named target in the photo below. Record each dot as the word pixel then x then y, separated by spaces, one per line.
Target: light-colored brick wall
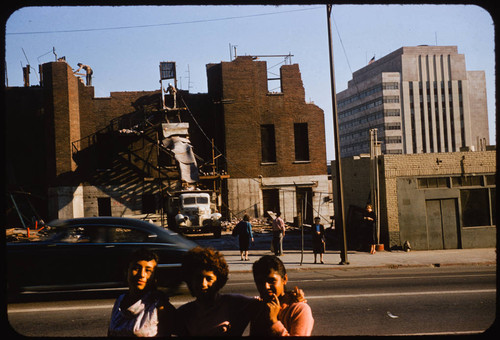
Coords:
pixel 422 165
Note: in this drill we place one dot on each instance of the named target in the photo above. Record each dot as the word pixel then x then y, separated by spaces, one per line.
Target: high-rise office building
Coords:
pixel 421 100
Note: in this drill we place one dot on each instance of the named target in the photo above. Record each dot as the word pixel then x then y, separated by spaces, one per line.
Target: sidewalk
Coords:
pixel 357 260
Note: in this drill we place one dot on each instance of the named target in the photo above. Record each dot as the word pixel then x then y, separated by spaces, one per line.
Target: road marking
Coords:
pixel 343 296
pixel 11 310
pixel 181 302
pixel 370 278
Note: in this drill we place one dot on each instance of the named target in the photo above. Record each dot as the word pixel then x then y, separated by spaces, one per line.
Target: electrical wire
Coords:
pixel 163 24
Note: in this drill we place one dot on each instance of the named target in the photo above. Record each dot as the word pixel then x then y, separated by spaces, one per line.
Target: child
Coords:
pixel 143 310
pixel 282 312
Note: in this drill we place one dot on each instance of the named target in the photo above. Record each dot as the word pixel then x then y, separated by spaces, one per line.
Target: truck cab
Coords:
pixel 196 215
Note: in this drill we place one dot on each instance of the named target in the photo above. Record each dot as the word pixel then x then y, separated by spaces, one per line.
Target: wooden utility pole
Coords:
pixel 339 215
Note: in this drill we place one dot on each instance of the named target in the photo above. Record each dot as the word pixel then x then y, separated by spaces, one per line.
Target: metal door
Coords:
pixel 442 226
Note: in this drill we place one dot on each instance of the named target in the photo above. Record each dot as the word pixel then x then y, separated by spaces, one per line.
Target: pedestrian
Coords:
pixel 88 73
pixel 370 227
pixel 244 232
pixel 278 234
pixel 205 272
pixel 143 310
pixel 318 238
pixel 281 312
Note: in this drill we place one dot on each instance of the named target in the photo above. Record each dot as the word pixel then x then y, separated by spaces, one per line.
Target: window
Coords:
pixel 475 207
pixel 301 141
pixel 104 206
pixel 433 182
pixel 268 143
pixel 148 204
pixel 130 235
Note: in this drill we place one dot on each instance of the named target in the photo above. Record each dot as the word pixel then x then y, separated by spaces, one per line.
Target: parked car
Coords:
pixel 92 253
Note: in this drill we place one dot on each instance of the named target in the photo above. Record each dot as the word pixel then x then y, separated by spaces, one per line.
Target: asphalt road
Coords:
pixel 409 301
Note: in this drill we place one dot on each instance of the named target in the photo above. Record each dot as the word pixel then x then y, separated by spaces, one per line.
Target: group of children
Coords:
pixel 145 311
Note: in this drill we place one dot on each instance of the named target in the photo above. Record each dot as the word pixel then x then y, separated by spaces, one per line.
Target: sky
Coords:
pixel 125 44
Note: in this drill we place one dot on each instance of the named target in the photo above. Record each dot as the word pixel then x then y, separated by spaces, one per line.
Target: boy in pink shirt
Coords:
pixel 283 312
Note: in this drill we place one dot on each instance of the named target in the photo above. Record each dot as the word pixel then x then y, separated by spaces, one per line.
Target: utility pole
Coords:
pixel 339 215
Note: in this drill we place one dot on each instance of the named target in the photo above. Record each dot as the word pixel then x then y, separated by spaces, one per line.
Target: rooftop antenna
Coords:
pixel 189 78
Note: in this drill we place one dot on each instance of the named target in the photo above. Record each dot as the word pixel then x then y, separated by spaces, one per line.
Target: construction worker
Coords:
pixel 88 71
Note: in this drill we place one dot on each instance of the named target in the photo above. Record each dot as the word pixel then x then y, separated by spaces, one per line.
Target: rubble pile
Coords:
pixel 25 235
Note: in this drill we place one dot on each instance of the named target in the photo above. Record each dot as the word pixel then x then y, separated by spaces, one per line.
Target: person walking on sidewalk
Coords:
pixel 318 238
pixel 278 234
pixel 369 223
pixel 281 312
pixel 244 232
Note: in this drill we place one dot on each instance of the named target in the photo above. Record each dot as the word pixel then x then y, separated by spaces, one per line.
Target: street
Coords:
pixel 404 301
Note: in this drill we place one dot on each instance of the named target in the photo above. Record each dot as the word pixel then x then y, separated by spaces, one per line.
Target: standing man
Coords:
pixel 278 234
pixel 88 71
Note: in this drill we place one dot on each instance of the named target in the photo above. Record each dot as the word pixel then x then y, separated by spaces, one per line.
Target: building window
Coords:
pixel 475 207
pixel 301 137
pixel 148 204
pixel 268 143
pixel 271 200
pixel 104 206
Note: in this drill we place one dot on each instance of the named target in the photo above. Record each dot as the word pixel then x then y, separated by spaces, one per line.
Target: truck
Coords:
pixel 193 212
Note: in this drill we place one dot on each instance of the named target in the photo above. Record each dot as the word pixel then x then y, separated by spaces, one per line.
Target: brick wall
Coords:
pixel 248 105
pixel 422 165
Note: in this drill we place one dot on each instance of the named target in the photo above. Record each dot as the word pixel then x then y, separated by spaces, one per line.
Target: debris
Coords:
pixel 392 316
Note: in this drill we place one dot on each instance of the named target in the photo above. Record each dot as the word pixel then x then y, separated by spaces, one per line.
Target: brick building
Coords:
pixel 435 201
pixel 93 156
pixel 274 142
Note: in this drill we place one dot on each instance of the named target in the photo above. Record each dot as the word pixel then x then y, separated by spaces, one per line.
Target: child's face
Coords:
pixel 203 284
pixel 141 274
pixel 271 284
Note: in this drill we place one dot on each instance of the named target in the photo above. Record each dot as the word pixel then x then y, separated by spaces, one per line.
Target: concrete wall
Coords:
pixel 245 196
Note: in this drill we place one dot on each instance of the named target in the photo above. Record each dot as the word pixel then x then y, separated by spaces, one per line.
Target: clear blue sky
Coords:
pixel 124 45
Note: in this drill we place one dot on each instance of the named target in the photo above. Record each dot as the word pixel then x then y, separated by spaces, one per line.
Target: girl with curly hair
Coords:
pixel 205 272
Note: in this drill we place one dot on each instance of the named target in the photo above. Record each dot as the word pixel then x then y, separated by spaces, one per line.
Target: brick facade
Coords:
pixel 85 157
pixel 245 104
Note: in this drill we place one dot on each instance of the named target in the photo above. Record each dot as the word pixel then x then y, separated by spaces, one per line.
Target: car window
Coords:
pixel 124 234
pixel 80 234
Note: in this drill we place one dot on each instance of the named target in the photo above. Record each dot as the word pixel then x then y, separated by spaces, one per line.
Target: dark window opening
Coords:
pixel 104 206
pixel 301 141
pixel 268 143
pixel 148 204
pixel 475 207
pixel 271 200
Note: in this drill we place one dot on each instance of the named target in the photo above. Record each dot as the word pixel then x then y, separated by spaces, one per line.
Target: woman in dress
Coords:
pixel 244 232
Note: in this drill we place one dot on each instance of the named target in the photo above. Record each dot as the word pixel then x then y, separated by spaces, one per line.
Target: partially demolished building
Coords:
pixel 88 156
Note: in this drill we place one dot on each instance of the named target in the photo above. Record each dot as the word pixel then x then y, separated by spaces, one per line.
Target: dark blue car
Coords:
pixel 92 252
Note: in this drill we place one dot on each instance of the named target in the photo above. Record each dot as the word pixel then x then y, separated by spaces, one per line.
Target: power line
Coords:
pixel 164 24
